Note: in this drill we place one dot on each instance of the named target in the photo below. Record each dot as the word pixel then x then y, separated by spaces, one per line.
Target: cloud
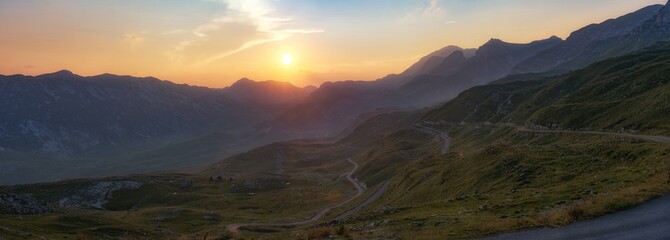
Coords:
pixel 432 10
pixel 246 24
pixel 175 31
pixel 134 39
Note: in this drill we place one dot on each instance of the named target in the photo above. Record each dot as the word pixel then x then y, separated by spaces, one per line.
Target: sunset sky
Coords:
pixel 215 42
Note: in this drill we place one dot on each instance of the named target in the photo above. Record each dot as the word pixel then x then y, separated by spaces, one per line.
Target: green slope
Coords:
pixel 630 92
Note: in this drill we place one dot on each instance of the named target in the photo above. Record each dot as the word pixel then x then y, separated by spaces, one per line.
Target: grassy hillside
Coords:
pixel 630 92
pixel 373 129
pixel 280 182
pixel 500 179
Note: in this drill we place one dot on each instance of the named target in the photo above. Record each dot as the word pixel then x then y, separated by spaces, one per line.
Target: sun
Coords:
pixel 287 59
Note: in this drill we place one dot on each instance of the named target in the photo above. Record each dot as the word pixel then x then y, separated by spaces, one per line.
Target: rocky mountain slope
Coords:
pixel 82 124
pixel 493 60
pixel 65 114
pixel 596 42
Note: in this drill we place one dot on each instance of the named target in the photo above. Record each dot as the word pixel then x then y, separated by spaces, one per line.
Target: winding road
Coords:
pixel 235 228
pixel 647 221
pixel 658 139
pixel 376 195
pixel 445 137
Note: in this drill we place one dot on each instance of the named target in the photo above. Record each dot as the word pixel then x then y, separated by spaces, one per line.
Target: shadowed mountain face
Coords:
pixel 448 65
pixel 333 107
pixel 65 114
pixel 268 98
pixel 101 121
pixel 429 62
pixel 442 57
pixel 492 61
pixel 629 92
pixel 649 33
pixel 599 41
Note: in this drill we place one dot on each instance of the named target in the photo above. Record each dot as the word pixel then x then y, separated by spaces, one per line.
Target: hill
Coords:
pixel 629 92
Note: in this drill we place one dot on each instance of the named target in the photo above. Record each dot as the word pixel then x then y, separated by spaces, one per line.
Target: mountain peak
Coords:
pixel 554 37
pixel 492 44
pixel 494 41
pixel 243 82
pixel 456 55
pixel 664 14
pixel 61 74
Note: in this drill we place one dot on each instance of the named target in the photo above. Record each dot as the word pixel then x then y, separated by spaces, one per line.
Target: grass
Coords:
pixel 630 92
pixel 307 182
pixel 500 179
pixel 496 179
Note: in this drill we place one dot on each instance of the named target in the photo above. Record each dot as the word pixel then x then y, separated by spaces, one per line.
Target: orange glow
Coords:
pixel 262 41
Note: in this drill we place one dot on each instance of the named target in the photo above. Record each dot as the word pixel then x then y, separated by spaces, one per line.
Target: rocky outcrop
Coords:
pixel 24 205
pixel 450 64
pixel 96 194
pixel 427 63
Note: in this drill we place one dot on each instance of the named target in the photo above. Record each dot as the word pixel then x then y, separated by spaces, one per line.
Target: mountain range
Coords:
pixel 97 119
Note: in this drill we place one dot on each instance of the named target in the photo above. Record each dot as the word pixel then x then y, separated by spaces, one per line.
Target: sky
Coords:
pixel 216 42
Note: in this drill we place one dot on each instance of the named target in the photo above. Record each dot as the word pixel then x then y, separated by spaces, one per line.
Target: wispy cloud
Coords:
pixel 134 39
pixel 432 10
pixel 175 31
pixel 249 22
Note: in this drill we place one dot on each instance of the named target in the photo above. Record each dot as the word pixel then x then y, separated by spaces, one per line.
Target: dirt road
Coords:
pixel 445 138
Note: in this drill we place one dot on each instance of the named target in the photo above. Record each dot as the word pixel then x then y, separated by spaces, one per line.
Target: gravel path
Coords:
pixel 445 137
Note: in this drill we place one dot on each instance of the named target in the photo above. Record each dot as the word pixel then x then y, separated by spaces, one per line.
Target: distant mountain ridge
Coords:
pixel 63 113
pixel 331 108
pixel 430 61
pixel 493 60
pixel 441 76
